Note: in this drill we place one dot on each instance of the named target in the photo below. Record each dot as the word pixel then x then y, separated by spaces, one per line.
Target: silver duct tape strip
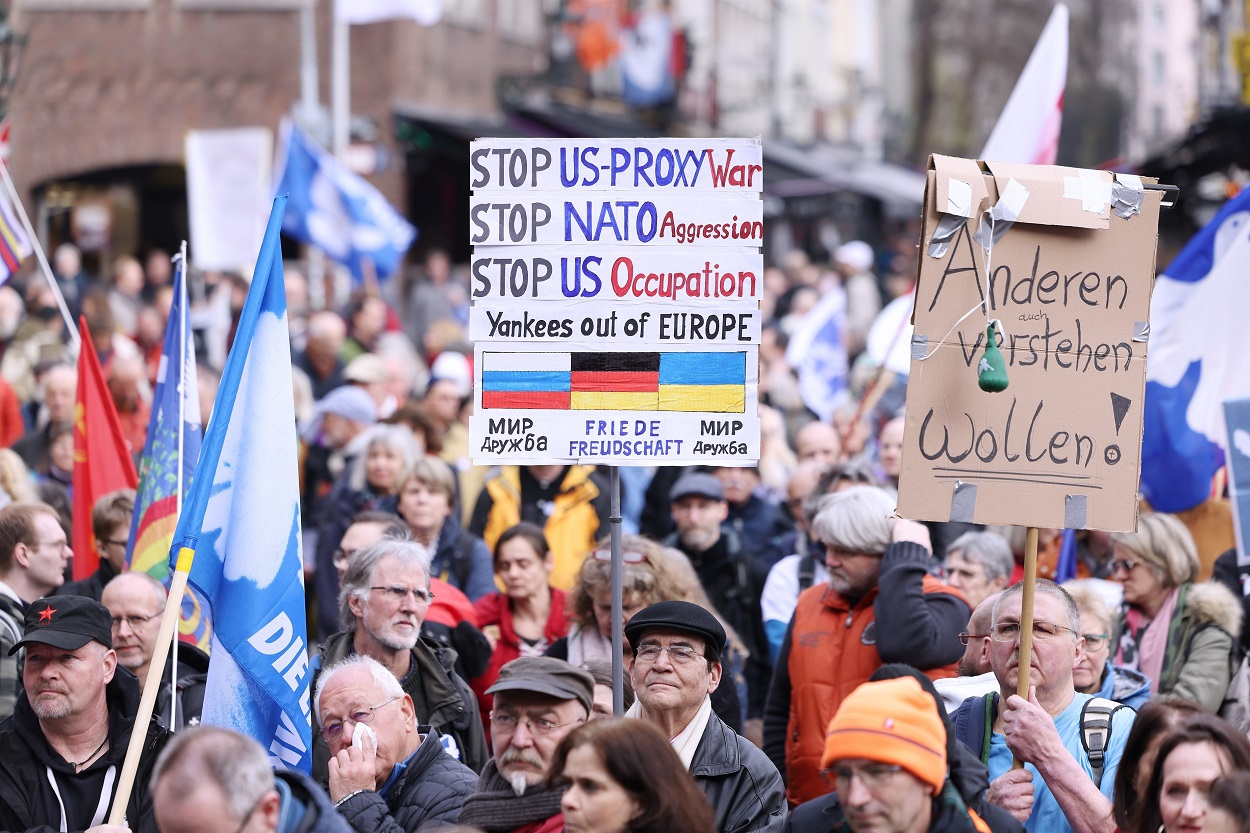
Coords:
pixel 963 502
pixel 944 233
pixel 1141 331
pixel 1127 195
pixel 1074 510
pixel 919 346
pixel 1002 215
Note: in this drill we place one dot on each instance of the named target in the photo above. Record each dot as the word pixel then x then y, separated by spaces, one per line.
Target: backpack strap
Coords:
pixel 991 701
pixel 1096 716
pixel 807 571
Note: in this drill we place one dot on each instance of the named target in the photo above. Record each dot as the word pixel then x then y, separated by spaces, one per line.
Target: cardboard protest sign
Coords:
pixel 1237 421
pixel 1068 274
pixel 615 312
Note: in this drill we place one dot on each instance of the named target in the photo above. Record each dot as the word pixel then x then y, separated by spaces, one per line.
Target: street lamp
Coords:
pixel 11 46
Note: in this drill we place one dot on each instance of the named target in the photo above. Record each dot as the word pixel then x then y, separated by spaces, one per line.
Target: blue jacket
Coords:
pixel 305 806
pixel 1125 685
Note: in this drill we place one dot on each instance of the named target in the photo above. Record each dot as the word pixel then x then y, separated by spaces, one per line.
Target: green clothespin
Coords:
pixel 992 369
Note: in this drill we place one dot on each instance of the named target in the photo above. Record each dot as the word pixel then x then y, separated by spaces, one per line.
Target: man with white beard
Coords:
pixel 382 605
pixel 538 700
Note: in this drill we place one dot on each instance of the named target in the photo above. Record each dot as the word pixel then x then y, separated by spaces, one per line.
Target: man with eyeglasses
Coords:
pixel 135 601
pixel 975 676
pixel 538 700
pixel 383 601
pixel 215 780
pixel 1063 787
pixel 886 756
pixel 65 744
pixel 676 666
pixel 34 553
pixel 110 525
pixel 388 771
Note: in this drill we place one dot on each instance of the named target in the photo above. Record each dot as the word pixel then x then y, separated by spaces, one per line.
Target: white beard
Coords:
pixel 518 783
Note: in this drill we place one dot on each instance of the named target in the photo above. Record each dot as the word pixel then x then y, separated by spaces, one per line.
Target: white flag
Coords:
pixel 425 12
pixel 1028 128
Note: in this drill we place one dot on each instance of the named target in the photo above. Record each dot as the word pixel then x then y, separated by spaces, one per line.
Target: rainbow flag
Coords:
pixel 14 243
pixel 677 381
pixel 173 443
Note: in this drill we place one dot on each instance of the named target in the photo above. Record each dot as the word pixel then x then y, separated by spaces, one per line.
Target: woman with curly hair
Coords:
pixel 651 574
pixel 623 776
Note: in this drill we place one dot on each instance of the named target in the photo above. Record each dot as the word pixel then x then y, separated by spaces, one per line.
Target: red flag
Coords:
pixel 102 461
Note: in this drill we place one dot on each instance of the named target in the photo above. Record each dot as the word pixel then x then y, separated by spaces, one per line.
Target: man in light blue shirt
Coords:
pixel 1056 791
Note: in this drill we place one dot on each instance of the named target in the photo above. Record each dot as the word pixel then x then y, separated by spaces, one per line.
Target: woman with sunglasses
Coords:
pixel 1093 672
pixel 528 616
pixel 1173 630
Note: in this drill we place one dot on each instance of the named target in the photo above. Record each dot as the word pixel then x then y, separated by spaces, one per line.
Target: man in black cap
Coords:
pixel 676 666
pixel 65 744
pixel 732 577
pixel 538 700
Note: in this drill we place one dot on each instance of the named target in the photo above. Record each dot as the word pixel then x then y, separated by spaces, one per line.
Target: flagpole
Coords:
pixel 182 401
pixel 151 685
pixel 42 258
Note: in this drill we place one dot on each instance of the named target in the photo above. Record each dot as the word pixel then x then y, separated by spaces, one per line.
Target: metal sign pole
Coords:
pixel 618 613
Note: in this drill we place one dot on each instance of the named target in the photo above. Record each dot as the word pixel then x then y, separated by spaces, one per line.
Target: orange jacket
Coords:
pixel 833 650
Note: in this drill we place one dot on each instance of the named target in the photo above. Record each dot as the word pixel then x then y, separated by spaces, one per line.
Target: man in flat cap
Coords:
pixel 538 700
pixel 64 746
pixel 676 666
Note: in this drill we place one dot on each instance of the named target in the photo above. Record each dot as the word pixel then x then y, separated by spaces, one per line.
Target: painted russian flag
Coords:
pixel 687 381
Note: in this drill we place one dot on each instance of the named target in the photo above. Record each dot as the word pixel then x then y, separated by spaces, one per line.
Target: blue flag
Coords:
pixel 1197 360
pixel 816 351
pixel 337 211
pixel 168 461
pixel 241 526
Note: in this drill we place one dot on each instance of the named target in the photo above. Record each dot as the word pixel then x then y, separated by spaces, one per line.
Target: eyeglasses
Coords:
pixel 844 554
pixel 1042 631
pixel 965 637
pixel 342 556
pixel 110 543
pixel 629 556
pixel 677 654
pixel 1118 564
pixel 398 594
pixel 58 545
pixel 1094 641
pixel 333 731
pixel 135 621
pixel 870 775
pixel 505 722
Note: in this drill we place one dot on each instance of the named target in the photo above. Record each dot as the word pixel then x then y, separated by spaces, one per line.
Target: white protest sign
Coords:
pixel 665 273
pixel 641 165
pixel 634 322
pixel 550 218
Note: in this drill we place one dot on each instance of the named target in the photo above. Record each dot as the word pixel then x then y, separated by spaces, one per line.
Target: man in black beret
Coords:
pixel 64 746
pixel 676 666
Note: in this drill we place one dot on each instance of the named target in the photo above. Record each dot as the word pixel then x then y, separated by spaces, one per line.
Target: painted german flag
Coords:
pixel 688 381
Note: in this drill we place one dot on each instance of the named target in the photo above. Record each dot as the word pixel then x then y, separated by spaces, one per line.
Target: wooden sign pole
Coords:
pixel 1026 621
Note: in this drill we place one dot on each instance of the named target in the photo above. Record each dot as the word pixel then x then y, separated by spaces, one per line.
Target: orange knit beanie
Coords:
pixel 892 722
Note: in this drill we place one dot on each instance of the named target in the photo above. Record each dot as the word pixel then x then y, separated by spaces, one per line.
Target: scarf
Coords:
pixel 588 644
pixel 687 740
pixel 495 808
pixel 1145 642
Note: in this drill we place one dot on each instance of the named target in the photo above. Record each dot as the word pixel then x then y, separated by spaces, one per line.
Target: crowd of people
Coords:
pixel 797 656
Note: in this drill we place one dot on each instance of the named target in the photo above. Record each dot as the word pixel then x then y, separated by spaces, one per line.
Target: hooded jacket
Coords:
pixel 192 675
pixel 305 806
pixel 1125 685
pixel 462 560
pixel 28 800
pixel 1197 664
pixel 572 526
pixel 450 705
pixel 423 793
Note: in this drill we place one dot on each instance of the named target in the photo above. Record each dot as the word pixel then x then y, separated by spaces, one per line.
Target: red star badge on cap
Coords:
pixel 45 615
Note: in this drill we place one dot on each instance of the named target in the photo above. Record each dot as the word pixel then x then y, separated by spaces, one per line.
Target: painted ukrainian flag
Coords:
pixel 687 381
